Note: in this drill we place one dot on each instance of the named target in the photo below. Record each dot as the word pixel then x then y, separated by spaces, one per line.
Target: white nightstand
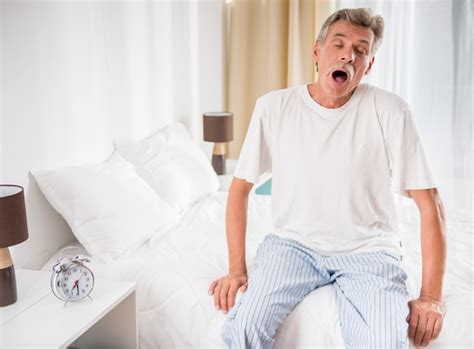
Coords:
pixel 224 180
pixel 39 319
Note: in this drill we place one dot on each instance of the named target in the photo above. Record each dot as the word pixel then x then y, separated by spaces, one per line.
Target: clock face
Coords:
pixel 76 282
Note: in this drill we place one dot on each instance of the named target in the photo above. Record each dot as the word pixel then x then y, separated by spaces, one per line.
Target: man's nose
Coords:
pixel 348 56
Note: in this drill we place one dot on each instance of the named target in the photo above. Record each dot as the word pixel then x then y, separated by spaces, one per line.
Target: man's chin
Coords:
pixel 337 89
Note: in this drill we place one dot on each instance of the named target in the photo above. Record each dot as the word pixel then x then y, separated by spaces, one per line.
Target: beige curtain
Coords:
pixel 268 47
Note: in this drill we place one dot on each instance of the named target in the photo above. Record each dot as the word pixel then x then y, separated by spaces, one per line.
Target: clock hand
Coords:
pixel 76 285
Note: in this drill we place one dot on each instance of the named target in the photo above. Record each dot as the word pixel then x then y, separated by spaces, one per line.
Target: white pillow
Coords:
pixel 111 210
pixel 174 166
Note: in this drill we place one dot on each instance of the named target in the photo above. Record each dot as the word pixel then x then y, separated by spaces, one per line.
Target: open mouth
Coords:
pixel 339 76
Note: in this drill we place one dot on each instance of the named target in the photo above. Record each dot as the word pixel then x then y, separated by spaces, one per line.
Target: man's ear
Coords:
pixel 316 52
pixel 371 63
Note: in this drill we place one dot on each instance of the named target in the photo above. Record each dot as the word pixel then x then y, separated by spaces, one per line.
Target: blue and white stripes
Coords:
pixel 371 295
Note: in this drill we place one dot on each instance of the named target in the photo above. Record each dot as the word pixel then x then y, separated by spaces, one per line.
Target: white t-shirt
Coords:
pixel 334 171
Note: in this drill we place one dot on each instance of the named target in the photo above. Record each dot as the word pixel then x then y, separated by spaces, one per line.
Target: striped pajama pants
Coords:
pixel 371 295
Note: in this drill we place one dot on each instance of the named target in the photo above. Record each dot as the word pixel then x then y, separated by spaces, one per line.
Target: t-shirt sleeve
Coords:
pixel 409 165
pixel 255 155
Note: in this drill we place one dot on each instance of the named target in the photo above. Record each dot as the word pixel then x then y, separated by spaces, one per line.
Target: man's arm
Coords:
pixel 426 312
pixel 225 288
pixel 236 224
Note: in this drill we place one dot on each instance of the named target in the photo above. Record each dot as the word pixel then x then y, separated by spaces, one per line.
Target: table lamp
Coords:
pixel 218 128
pixel 13 230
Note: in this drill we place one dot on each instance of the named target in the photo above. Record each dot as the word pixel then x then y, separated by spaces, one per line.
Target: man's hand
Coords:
pixel 425 320
pixel 225 290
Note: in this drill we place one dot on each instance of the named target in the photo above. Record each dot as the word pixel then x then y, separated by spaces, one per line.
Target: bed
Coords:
pixel 152 213
pixel 173 273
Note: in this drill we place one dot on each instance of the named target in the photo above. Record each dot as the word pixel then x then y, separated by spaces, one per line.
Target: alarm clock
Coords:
pixel 72 280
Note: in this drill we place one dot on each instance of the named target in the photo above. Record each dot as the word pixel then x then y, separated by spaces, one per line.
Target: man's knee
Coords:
pixel 393 334
pixel 395 337
pixel 248 328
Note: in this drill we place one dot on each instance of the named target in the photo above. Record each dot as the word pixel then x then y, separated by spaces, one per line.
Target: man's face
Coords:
pixel 343 58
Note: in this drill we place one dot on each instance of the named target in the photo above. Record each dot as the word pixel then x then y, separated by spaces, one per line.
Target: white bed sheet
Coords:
pixel 173 274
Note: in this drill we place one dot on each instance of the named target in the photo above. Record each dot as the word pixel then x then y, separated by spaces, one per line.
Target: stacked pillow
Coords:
pixel 115 206
pixel 173 165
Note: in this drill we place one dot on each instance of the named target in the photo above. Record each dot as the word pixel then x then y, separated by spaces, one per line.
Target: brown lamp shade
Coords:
pixel 13 227
pixel 218 127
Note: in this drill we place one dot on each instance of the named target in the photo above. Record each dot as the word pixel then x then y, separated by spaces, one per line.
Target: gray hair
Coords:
pixel 358 16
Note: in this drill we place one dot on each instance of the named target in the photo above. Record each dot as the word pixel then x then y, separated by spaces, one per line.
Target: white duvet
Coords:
pixel 173 274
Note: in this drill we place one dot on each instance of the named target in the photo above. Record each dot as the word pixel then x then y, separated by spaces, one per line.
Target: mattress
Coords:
pixel 173 274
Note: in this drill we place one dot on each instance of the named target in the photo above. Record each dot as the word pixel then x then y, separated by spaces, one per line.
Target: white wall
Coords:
pixel 75 76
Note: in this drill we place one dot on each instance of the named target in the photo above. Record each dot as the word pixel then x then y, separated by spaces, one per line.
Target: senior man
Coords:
pixel 337 150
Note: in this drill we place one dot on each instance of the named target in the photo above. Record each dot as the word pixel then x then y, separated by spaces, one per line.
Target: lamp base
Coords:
pixel 218 163
pixel 218 158
pixel 8 293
